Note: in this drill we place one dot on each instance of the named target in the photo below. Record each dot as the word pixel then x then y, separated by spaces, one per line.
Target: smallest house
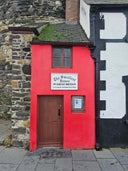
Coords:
pixel 62 88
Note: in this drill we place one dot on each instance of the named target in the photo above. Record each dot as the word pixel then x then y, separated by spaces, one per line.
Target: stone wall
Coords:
pixel 20 13
pixel 12 10
pixel 21 77
pixel 5 71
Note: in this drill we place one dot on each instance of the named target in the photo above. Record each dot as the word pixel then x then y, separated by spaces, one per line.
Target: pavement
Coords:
pixel 19 159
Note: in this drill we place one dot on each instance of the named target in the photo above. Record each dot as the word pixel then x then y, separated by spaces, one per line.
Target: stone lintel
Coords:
pixel 24 30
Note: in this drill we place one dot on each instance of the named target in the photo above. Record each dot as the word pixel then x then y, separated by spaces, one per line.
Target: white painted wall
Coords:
pixel 116 56
pixel 85 17
pixel 115 26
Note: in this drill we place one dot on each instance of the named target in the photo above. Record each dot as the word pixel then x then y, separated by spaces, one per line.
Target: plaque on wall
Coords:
pixel 64 81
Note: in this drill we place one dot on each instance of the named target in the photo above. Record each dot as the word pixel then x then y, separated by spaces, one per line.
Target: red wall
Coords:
pixel 79 128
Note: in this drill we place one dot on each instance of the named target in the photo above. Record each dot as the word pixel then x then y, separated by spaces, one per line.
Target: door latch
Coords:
pixel 59 112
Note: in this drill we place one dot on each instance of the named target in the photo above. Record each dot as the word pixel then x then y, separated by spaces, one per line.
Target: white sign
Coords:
pixel 64 81
pixel 78 104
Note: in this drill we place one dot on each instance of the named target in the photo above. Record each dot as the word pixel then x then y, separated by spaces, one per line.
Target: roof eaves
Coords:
pixel 88 43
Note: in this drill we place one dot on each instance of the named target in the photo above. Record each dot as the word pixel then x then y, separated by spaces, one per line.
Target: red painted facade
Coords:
pixel 78 128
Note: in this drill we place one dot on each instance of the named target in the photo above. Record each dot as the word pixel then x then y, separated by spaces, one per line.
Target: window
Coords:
pixel 62 57
pixel 78 103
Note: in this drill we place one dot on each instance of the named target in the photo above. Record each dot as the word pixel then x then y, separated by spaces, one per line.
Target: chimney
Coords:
pixel 72 10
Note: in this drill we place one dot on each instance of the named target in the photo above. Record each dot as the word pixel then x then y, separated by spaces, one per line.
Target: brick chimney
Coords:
pixel 72 10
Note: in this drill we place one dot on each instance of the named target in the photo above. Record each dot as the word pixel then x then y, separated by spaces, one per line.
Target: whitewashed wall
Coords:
pixel 85 17
pixel 115 26
pixel 116 57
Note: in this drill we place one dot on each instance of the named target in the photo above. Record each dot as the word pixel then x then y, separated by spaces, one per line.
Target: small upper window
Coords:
pixel 62 57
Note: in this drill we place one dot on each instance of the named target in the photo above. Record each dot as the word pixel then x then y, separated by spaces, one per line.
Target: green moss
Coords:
pixel 47 33
pixel 61 35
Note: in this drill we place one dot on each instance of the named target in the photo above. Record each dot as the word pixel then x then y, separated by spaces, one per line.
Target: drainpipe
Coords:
pixel 98 146
pixel 125 81
pixel 97 118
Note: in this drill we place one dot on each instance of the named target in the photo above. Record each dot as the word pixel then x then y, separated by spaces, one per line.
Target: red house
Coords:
pixel 62 89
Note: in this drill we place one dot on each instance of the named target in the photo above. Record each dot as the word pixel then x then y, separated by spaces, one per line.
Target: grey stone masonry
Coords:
pixel 5 75
pixel 21 77
pixel 13 9
pixel 20 13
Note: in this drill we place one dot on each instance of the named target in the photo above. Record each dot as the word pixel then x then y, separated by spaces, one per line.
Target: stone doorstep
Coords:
pixel 51 153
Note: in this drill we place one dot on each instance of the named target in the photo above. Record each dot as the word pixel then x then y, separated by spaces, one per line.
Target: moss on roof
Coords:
pixel 50 33
pixel 62 32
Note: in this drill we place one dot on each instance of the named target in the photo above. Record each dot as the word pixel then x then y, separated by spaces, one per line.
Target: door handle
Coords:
pixel 59 112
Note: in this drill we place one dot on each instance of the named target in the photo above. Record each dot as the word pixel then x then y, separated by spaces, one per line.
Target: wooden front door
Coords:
pixel 50 121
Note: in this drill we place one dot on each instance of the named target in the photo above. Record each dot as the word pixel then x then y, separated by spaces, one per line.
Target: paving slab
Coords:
pixel 63 164
pixel 2 148
pixel 86 166
pixel 104 153
pixel 8 167
pixel 45 167
pixel 12 155
pixel 28 163
pixel 86 155
pixel 125 167
pixel 46 164
pixel 46 161
pixel 121 155
pixel 110 165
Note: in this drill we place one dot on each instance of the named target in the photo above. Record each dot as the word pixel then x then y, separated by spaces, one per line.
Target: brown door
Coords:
pixel 50 121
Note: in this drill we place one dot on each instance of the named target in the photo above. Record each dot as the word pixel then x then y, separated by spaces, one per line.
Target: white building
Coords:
pixel 106 24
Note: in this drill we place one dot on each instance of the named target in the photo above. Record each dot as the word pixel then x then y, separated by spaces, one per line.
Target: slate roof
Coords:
pixel 62 33
pixel 106 1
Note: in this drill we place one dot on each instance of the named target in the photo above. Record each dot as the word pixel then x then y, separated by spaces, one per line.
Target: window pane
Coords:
pixel 67 52
pixel 56 52
pixel 78 103
pixel 61 57
pixel 56 62
pixel 67 62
